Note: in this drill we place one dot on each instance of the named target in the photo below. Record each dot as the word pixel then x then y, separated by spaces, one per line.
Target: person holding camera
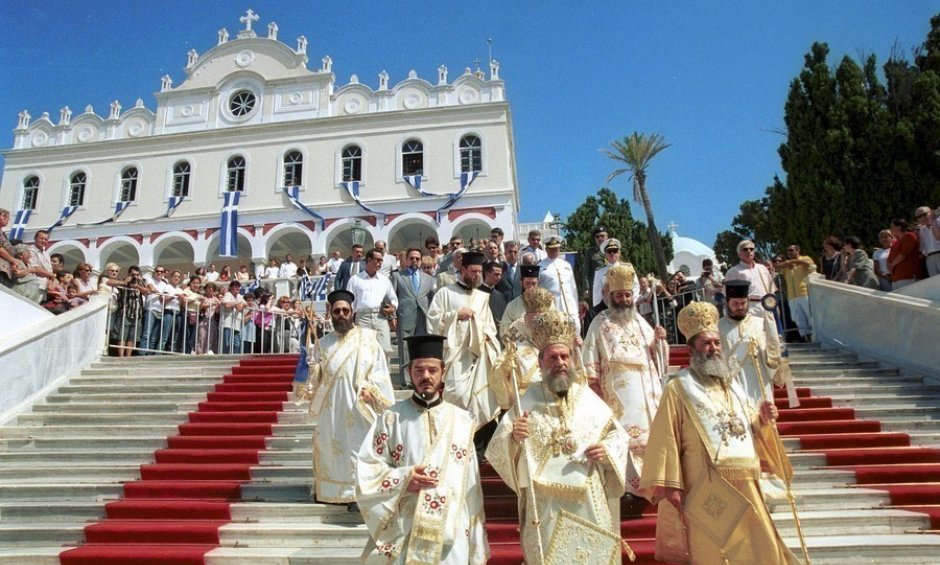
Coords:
pixel 711 282
pixel 128 311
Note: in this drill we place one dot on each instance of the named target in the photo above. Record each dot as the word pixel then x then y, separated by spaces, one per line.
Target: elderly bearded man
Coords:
pixel 572 463
pixel 418 477
pixel 704 453
pixel 622 355
pixel 351 388
pixel 461 313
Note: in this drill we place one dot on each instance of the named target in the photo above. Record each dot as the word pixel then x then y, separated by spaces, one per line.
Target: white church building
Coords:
pixel 396 162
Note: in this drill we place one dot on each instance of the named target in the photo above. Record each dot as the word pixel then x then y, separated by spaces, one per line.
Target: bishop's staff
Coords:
pixel 511 358
pixel 779 462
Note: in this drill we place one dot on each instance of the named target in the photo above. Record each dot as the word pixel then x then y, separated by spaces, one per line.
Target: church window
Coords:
pixel 293 168
pixel 129 184
pixel 77 189
pixel 412 158
pixel 30 193
pixel 181 172
pixel 236 174
pixel 242 103
pixel 471 154
pixel 352 163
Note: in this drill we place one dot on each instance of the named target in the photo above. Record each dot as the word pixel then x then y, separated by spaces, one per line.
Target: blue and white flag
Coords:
pixel 293 194
pixel 63 217
pixel 250 289
pixel 415 182
pixel 173 204
pixel 228 238
pixel 352 187
pixel 466 179
pixel 19 223
pixel 313 288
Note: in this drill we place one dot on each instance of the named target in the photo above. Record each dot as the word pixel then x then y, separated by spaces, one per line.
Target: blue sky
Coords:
pixel 711 77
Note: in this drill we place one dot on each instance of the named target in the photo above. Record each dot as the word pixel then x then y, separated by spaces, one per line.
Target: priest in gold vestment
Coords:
pixel 461 313
pixel 352 386
pixel 622 353
pixel 703 460
pixel 564 454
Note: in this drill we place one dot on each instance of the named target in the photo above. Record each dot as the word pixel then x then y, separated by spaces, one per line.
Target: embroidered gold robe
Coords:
pixel 470 351
pixel 349 364
pixel 693 447
pixel 564 482
pixel 440 525
pixel 527 365
pixel 618 355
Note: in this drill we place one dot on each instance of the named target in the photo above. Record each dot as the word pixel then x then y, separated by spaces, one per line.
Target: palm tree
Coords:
pixel 636 152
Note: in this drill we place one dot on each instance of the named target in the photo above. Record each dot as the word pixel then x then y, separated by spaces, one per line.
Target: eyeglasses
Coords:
pixel 747 249
pixel 85 270
pixel 921 215
pixel 159 271
pixel 612 251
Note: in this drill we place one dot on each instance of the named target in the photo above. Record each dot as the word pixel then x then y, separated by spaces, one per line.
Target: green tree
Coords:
pixel 637 152
pixel 752 222
pixel 614 213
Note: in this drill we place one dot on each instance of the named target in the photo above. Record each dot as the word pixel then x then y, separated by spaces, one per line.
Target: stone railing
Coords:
pixel 37 357
pixel 889 327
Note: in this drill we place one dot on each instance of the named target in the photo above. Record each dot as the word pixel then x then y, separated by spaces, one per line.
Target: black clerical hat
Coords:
pixel 426 347
pixel 737 289
pixel 529 271
pixel 473 258
pixel 338 295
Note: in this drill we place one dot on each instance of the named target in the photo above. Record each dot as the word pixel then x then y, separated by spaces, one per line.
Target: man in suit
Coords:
pixel 492 274
pixel 349 268
pixel 414 288
pixel 510 284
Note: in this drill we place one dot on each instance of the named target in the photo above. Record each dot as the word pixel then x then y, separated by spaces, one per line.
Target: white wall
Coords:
pixel 19 313
pixel 38 356
pixel 898 330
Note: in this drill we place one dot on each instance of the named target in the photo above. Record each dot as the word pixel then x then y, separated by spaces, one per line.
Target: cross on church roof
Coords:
pixel 250 16
pixel 673 226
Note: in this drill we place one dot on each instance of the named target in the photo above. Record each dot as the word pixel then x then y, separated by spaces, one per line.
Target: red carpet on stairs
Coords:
pixel 173 514
pixel 880 460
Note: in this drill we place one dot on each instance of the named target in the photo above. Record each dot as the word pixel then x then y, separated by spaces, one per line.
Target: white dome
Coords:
pixel 689 252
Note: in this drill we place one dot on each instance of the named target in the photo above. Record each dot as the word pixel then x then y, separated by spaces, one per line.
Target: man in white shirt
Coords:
pixel 762 282
pixel 172 335
pixel 611 250
pixel 230 319
pixel 389 262
pixel 39 257
pixel 288 267
pixel 557 277
pixel 375 300
pixel 929 235
pixel 535 246
pixel 335 261
pixel 153 310
pixel 212 275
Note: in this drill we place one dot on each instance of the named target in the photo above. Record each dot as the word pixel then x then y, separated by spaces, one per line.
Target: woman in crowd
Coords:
pixel 82 286
pixel 26 282
pixel 880 259
pixel 192 301
pixel 202 273
pixel 904 260
pixel 57 293
pixel 274 268
pixel 109 278
pixel 858 267
pixel 243 276
pixel 249 330
pixel 207 334
pixel 322 266
pixel 644 300
pixel 6 251
pixel 226 274
pixel 832 262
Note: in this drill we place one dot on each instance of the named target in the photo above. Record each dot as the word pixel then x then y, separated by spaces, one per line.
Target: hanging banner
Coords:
pixel 20 220
pixel 466 179
pixel 228 236
pixel 293 194
pixel 63 217
pixel 352 187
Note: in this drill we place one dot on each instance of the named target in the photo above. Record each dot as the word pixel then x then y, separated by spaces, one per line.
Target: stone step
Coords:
pixel 44 459
pixel 220 556
pixel 810 365
pixel 884 388
pixel 118 430
pixel 131 382
pixel 821 523
pixel 874 549
pixel 142 390
pixel 104 443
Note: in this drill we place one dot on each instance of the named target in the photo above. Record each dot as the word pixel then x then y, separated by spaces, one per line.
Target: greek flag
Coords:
pixel 314 289
pixel 352 187
pixel 63 217
pixel 293 194
pixel 466 179
pixel 255 283
pixel 19 223
pixel 228 238
pixel 173 204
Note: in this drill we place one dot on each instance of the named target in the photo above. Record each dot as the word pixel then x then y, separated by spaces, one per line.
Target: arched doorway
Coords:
pixel 243 258
pixel 289 239
pixel 72 253
pixel 121 252
pixel 342 239
pixel 176 253
pixel 477 230
pixel 410 233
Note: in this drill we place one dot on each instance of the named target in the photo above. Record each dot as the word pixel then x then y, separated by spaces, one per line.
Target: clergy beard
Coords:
pixel 471 283
pixel 558 380
pixel 620 313
pixel 716 368
pixel 737 318
pixel 342 325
